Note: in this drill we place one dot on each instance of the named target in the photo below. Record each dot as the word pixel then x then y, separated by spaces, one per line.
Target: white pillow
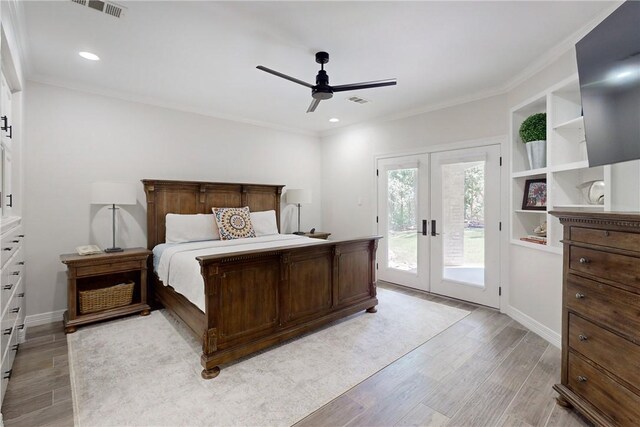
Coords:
pixel 264 223
pixel 190 228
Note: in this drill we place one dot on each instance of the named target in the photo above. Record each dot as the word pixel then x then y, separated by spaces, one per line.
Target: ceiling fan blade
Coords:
pixel 364 85
pixel 284 76
pixel 313 106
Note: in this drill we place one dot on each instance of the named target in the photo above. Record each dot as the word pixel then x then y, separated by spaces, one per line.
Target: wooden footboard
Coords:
pixel 256 299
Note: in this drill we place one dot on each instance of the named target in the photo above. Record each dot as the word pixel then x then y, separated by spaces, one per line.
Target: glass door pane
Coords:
pixel 402 202
pixel 463 222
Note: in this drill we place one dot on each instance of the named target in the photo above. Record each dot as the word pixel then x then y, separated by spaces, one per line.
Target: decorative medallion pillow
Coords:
pixel 234 223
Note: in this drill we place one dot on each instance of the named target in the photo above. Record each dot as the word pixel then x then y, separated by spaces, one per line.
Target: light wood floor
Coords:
pixel 485 370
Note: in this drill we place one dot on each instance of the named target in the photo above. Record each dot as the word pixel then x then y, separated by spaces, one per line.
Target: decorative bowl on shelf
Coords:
pixel 593 192
pixel 541 230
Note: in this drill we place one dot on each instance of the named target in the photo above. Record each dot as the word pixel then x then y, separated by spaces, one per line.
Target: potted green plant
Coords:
pixel 533 132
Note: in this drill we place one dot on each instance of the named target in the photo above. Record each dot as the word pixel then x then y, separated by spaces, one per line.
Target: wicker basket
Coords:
pixel 106 298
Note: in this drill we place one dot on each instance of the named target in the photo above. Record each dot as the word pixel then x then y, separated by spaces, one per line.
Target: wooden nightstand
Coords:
pixel 100 271
pixel 318 235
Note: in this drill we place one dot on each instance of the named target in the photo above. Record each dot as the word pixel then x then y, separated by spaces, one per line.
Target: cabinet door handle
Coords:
pixel 15 347
pixel 15 273
pixel 5 123
pixel 21 327
pixel 7 331
pixel 10 129
pixel 21 263
pixel 7 374
pixel 582 379
pixel 579 295
pixel 584 260
pixel 8 287
pixel 15 310
pixel 20 295
pixel 582 337
pixel 10 204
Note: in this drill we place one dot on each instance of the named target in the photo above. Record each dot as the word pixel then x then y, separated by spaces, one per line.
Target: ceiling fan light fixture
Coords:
pixel 90 56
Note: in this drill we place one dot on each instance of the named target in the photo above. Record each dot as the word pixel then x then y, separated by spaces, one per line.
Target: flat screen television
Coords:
pixel 609 72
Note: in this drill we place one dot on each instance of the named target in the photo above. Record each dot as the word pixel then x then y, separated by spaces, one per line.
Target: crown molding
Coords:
pixel 151 101
pixel 557 51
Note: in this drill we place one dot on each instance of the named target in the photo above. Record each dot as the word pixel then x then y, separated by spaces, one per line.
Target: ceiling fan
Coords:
pixel 322 90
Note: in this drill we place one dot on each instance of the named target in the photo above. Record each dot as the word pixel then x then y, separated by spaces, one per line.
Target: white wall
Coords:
pixel 77 138
pixel 348 170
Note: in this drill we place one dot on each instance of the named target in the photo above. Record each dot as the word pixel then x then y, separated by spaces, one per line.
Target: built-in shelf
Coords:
pixel 538 246
pixel 567 165
pixel 530 172
pixel 577 123
pixel 582 164
pixel 578 207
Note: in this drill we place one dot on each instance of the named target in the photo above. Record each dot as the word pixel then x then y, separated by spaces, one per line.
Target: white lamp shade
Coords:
pixel 112 193
pixel 296 196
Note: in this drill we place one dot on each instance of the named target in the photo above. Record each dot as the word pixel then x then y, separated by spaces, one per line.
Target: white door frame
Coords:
pixel 504 196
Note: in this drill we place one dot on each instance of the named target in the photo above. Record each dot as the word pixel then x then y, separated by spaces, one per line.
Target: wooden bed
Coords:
pixel 256 299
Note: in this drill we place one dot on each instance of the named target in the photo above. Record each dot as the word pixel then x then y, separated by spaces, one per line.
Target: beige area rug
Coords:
pixel 145 371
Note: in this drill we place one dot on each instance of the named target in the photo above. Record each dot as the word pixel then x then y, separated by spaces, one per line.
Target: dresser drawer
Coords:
pixel 610 306
pixel 618 268
pixel 7 362
pixel 605 348
pixel 613 239
pixel 613 399
pixel 9 244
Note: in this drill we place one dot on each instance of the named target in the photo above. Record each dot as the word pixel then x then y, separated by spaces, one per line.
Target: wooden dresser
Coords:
pixel 601 316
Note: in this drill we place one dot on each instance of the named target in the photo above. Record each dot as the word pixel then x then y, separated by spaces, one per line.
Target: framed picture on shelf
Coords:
pixel 535 195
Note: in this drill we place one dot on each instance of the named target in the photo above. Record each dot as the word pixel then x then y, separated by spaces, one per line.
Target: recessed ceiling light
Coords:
pixel 334 120
pixel 90 56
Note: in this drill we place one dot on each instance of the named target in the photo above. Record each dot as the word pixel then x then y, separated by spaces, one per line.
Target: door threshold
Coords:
pixel 401 288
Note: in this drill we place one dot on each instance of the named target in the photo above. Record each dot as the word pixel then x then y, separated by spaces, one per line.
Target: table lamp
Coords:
pixel 113 193
pixel 297 197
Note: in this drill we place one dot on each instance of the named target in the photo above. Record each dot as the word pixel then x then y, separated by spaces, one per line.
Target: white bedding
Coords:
pixel 179 268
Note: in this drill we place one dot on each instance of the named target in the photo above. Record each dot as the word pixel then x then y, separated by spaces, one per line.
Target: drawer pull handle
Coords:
pixel 21 263
pixel 584 260
pixel 15 347
pixel 582 337
pixel 579 295
pixel 15 241
pixel 7 287
pixel 7 375
pixel 20 235
pixel 582 379
pixel 7 331
pixel 20 295
pixel 15 273
pixel 15 310
pixel 7 249
pixel 606 234
pixel 21 327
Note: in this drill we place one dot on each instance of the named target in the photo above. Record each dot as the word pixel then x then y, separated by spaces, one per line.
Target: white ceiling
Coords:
pixel 201 56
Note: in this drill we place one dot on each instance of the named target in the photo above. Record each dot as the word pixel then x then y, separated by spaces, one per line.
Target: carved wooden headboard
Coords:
pixel 191 197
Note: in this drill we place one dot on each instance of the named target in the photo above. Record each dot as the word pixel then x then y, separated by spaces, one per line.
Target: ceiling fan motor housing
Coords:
pixel 322 90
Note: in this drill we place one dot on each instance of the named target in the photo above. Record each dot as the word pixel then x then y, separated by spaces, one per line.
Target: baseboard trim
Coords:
pixel 44 318
pixel 534 326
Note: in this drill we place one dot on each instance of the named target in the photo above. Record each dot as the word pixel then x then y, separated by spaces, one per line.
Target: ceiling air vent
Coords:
pixel 357 99
pixel 108 8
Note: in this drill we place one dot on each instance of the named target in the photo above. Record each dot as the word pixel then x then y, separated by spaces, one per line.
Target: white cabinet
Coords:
pixel 567 168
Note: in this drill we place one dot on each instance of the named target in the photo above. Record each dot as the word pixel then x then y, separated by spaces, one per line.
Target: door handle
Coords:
pixel 433 228
pixel 424 227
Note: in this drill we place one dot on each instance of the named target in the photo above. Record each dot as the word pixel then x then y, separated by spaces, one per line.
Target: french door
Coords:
pixel 403 192
pixel 439 214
